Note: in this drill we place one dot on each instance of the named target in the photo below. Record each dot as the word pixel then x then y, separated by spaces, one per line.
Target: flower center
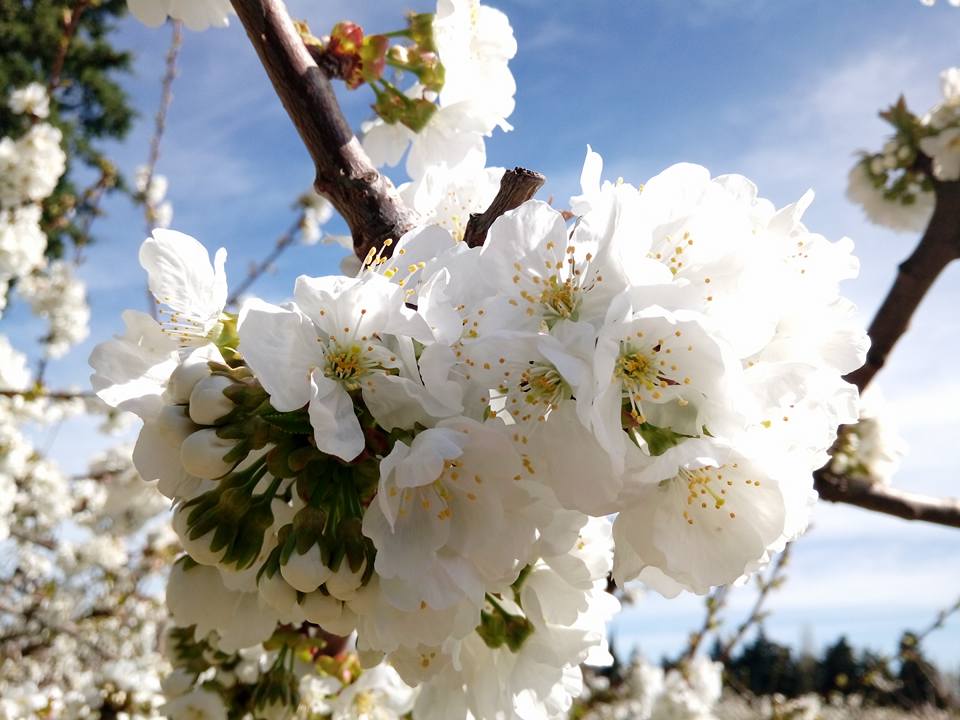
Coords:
pixel 642 373
pixel 364 702
pixel 347 364
pixel 707 488
pixel 561 299
pixel 638 374
pixel 543 385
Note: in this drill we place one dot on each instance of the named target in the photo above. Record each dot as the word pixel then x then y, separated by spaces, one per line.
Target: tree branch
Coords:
pixel 516 187
pixel 714 602
pixel 366 199
pixel 888 500
pixel 939 246
pixel 40 392
pixel 774 580
pixel 71 22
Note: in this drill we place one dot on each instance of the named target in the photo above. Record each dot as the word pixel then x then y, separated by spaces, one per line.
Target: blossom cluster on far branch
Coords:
pixel 195 14
pixel 895 186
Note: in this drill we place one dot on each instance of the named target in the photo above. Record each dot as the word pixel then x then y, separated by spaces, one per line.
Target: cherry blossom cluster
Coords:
pixel 474 44
pixel 30 167
pixel 77 632
pixel 895 186
pixel 425 453
pixel 290 670
pixel 688 691
pixel 195 14
pixel 871 449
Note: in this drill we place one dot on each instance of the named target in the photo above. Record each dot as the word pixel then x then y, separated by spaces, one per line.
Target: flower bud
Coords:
pixel 226 678
pixel 198 548
pixel 208 404
pixel 193 369
pixel 344 625
pixel 305 572
pixel 344 583
pixel 321 609
pixel 276 592
pixel 174 425
pixel 202 454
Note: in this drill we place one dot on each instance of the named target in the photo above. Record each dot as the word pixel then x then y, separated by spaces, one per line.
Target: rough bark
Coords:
pixel 516 187
pixel 366 199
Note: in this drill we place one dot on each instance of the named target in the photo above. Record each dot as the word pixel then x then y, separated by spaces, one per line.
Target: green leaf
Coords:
pixel 295 423
pixel 659 439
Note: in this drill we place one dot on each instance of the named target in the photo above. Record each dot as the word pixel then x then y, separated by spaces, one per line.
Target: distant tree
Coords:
pixel 839 670
pixel 920 681
pixel 66 45
pixel 765 667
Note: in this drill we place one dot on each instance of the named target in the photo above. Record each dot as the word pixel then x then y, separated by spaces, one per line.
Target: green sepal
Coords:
pixel 294 423
pixel 659 439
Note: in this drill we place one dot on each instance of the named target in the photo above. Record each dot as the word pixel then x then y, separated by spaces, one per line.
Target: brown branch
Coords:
pixel 941 619
pixel 714 602
pixel 45 543
pixel 772 582
pixel 36 393
pixel 516 187
pixel 888 500
pixel 939 246
pixel 71 21
pixel 367 200
pixel 160 119
pixel 159 126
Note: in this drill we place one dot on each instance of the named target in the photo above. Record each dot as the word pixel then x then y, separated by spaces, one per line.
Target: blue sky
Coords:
pixel 783 91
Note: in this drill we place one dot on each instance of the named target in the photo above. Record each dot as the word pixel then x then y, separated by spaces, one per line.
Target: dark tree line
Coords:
pixel 909 680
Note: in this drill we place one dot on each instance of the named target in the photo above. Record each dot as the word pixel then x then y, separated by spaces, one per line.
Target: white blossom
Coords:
pixel 912 217
pixel 59 296
pixel 378 694
pixel 196 14
pixel 31 99
pixel 182 279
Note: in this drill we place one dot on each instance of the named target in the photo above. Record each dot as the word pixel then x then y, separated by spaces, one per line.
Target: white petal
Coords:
pixel 335 425
pixel 276 345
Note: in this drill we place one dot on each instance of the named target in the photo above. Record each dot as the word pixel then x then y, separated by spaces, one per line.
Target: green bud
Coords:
pixel 492 629
pixel 373 54
pixel 421 31
pixel 418 114
pixel 518 629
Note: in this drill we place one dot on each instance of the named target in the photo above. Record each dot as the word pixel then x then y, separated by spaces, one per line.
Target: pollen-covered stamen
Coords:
pixel 555 289
pixel 184 328
pixel 437 496
pixel 671 251
pixel 707 489
pixel 365 702
pixel 375 256
pixel 542 385
pixel 640 377
pixel 527 391
pixel 348 365
pixel 561 299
